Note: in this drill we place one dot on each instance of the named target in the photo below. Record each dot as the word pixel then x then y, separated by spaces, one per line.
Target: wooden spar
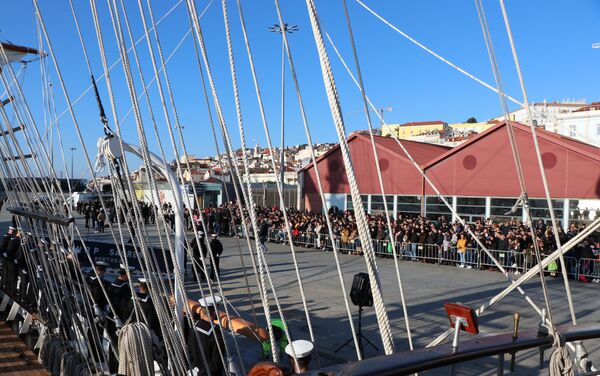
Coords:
pixel 236 324
pixel 20 49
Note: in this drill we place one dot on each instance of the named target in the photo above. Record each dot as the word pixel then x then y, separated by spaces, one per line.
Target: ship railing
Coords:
pixel 436 357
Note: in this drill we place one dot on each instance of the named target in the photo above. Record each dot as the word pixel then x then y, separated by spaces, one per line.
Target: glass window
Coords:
pixel 409 204
pixel 350 205
pixel 377 202
pixel 501 207
pixel 470 207
pixel 436 207
pixel 572 130
pixel 539 208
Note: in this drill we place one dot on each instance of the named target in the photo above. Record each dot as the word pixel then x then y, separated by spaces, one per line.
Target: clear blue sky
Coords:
pixel 553 40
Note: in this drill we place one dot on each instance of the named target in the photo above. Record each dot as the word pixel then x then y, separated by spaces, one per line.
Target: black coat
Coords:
pixel 208 337
pixel 94 284
pixel 216 247
pixel 119 293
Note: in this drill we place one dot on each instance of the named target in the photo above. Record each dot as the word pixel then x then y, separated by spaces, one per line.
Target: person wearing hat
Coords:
pixel 120 291
pixel 299 354
pixel 208 337
pixel 146 306
pixel 95 283
pixel 216 249
pixel 198 247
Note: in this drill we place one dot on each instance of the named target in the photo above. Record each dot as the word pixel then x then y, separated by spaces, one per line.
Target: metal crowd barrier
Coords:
pixel 515 262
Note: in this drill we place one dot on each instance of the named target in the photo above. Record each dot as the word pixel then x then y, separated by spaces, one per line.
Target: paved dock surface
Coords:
pixel 426 287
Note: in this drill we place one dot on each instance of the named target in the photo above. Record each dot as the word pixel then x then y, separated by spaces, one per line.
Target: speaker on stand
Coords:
pixel 361 296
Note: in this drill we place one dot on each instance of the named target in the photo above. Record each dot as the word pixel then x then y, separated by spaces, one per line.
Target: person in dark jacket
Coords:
pixel 207 337
pixel 199 252
pixel 96 281
pixel 146 306
pixel 216 249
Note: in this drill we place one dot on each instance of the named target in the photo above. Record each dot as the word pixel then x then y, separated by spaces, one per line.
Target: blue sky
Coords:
pixel 553 41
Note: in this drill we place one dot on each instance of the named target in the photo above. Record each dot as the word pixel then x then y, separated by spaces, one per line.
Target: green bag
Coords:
pixel 553 266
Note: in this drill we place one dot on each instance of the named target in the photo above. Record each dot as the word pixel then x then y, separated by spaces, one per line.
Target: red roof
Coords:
pixel 564 141
pixel 422 152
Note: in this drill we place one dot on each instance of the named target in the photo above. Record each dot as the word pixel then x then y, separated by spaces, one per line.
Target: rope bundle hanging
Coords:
pixel 135 350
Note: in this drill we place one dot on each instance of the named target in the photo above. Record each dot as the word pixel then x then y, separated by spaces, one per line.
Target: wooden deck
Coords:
pixel 16 359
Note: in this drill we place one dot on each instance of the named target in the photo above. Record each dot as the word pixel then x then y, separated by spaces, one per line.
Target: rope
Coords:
pixel 278 183
pixel 135 343
pixel 560 360
pixel 415 164
pixel 538 154
pixel 436 55
pixel 314 161
pixel 334 104
pixel 379 175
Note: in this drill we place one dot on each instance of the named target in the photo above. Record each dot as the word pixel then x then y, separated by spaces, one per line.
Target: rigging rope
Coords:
pixel 334 104
pixel 379 175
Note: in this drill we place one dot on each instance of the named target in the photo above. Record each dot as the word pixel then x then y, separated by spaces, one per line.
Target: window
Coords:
pixel 539 208
pixel 501 207
pixel 377 202
pixel 409 204
pixel 471 207
pixel 350 205
pixel 598 130
pixel 572 130
pixel 435 207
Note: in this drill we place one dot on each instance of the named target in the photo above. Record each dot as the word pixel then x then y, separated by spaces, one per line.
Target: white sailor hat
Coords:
pixel 142 280
pixel 102 263
pixel 200 232
pixel 11 228
pixel 214 235
pixel 122 266
pixel 209 301
pixel 302 348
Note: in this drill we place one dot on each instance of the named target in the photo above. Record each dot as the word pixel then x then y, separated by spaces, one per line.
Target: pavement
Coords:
pixel 426 288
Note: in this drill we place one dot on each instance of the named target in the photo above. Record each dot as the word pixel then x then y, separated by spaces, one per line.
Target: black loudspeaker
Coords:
pixel 361 291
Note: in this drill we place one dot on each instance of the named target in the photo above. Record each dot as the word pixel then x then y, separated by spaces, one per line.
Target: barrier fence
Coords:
pixel 514 262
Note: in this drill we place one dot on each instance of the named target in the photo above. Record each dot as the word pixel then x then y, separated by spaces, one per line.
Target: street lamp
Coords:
pixel 290 29
pixel 72 148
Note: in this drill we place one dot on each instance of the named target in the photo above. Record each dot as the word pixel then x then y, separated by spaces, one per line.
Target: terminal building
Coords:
pixel 478 178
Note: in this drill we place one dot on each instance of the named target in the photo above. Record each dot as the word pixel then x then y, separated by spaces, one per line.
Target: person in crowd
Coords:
pixel 216 249
pixel 462 251
pixel 299 355
pixel 207 336
pixel 199 252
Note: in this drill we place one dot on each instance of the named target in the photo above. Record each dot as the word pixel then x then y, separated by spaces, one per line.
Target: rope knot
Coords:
pixel 560 360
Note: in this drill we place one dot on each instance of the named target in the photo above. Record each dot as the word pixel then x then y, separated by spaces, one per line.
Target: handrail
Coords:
pixel 443 355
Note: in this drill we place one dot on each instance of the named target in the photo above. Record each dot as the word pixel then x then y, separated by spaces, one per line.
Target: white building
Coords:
pixel 574 119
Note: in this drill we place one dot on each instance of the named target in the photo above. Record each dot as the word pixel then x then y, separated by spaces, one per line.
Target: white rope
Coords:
pixel 278 183
pixel 425 48
pixel 314 161
pixel 135 343
pixel 540 162
pixel 333 99
pixel 379 176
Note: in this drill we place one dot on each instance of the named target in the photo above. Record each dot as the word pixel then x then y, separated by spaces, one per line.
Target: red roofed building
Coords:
pixel 399 174
pixel 478 178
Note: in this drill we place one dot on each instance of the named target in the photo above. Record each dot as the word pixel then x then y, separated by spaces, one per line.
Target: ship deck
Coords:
pixel 15 356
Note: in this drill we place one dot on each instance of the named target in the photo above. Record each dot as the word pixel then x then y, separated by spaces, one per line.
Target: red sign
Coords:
pixel 467 316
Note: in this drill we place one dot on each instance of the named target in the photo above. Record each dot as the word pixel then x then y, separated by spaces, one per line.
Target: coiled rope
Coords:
pixel 135 349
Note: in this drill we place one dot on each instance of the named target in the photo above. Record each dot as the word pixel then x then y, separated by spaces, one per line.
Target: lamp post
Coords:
pixel 72 148
pixel 285 28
